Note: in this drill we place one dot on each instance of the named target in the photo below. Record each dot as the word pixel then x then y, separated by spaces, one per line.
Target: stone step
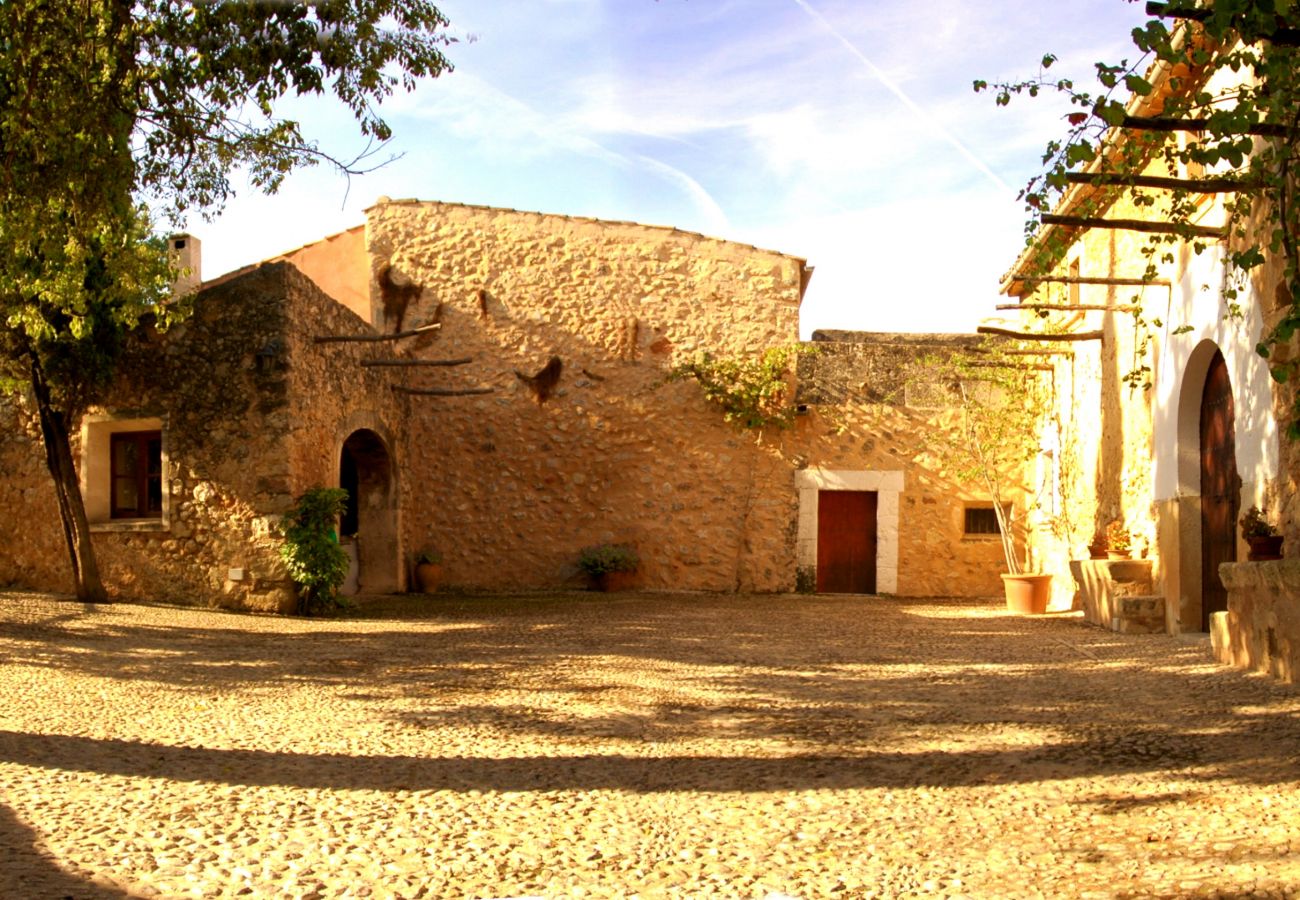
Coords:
pixel 1139 614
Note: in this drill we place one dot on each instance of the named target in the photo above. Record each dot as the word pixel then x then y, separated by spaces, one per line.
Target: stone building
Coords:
pixel 534 419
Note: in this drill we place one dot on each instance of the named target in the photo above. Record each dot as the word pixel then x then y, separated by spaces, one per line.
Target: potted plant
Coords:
pixel 1261 535
pixel 311 551
pixel 1097 549
pixel 608 567
pixel 1119 541
pixel 428 571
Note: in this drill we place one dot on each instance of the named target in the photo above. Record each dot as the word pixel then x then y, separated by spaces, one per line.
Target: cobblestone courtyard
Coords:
pixel 635 745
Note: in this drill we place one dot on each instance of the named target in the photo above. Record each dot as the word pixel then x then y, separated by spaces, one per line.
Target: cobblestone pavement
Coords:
pixel 634 746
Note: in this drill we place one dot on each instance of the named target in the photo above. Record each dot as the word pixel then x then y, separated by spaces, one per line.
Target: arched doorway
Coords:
pixel 369 521
pixel 1220 486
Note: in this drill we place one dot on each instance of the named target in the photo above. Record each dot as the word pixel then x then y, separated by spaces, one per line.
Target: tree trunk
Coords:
pixel 72 511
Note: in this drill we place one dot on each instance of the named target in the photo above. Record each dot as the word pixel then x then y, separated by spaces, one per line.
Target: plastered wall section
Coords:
pixel 1098 464
pixel 508 488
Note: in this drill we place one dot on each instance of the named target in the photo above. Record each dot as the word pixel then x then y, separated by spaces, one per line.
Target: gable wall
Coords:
pixel 509 489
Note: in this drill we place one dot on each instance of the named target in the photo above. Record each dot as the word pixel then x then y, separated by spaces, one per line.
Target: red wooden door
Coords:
pixel 1219 487
pixel 846 542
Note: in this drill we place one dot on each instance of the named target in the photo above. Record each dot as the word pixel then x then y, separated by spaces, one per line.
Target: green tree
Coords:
pixel 1229 77
pixel 107 104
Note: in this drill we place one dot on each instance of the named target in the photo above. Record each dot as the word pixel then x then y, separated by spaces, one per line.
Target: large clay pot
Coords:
pixel 1028 592
pixel 428 576
pixel 1264 547
pixel 611 581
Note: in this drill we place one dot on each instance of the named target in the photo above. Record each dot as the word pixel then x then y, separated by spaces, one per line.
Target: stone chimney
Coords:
pixel 187 256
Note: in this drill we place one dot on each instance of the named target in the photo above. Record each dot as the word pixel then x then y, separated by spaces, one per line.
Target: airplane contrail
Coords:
pixel 903 98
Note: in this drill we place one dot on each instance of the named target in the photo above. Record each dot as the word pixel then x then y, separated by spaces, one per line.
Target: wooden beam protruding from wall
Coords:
pixel 443 392
pixel 463 361
pixel 373 338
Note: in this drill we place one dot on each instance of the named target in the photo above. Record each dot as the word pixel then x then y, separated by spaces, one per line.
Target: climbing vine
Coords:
pixel 753 393
pixel 1227 120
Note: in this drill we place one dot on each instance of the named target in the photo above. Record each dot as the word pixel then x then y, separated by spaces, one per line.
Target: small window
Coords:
pixel 982 520
pixel 135 473
pixel 1074 286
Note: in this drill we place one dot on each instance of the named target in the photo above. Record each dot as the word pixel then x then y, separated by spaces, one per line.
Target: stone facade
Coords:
pixel 515 461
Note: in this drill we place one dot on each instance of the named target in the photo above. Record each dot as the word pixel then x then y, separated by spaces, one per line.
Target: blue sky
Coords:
pixel 843 131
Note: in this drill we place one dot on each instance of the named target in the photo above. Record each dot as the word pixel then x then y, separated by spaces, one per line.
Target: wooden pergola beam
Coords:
pixel 1162 123
pixel 1090 279
pixel 443 392
pixel 1069 307
pixel 1025 336
pixel 1282 37
pixel 1196 185
pixel 373 338
pixel 1040 367
pixel 1134 225
pixel 466 360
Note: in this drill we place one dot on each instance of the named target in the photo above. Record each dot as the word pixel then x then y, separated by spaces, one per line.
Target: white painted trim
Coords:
pixel 887 485
pixel 1197 301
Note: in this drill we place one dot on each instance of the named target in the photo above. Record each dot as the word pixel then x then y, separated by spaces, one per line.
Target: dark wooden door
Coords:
pixel 1219 487
pixel 846 542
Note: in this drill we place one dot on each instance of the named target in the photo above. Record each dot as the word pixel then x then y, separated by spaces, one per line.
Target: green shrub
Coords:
pixel 311 550
pixel 601 559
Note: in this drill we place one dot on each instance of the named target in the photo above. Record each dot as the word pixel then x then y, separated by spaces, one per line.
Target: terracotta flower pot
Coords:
pixel 1119 554
pixel 428 576
pixel 1027 593
pixel 1096 551
pixel 1264 547
pixel 611 581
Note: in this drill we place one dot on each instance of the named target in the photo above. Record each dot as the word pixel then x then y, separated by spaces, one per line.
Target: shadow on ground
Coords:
pixel 855 690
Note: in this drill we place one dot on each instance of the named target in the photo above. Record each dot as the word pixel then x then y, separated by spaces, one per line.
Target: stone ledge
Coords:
pixel 1116 594
pixel 1260 630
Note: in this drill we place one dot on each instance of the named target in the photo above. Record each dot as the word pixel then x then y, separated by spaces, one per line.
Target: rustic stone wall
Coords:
pixel 332 396
pixel 509 486
pixel 220 384
pixel 33 552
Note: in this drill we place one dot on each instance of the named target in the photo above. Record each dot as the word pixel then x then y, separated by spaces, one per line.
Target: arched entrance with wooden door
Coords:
pixel 369 522
pixel 1220 486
